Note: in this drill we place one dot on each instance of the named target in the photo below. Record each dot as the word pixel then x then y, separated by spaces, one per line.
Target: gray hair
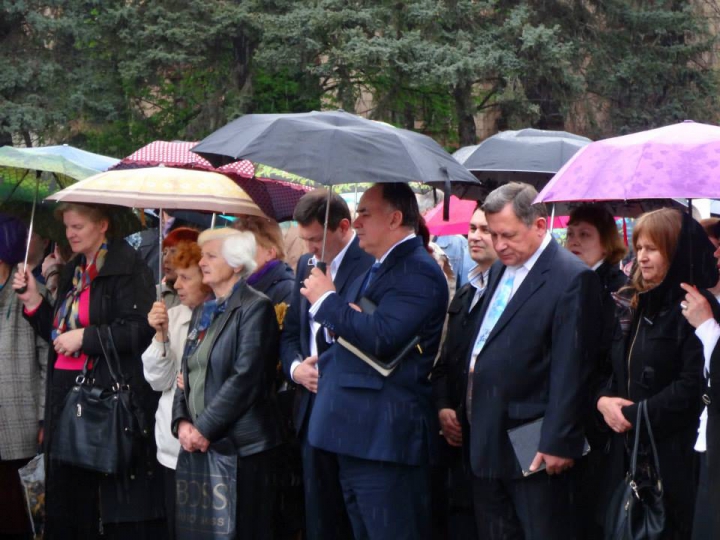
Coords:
pixel 238 248
pixel 521 196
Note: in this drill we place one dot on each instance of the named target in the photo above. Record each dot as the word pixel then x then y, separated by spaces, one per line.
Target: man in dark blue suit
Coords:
pixel 301 342
pixel 382 428
pixel 529 358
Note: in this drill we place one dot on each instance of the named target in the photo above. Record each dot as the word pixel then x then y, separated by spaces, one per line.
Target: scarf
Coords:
pixel 211 310
pixel 262 272
pixel 68 314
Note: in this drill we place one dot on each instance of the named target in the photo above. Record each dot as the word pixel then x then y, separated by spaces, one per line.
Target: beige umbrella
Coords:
pixel 162 187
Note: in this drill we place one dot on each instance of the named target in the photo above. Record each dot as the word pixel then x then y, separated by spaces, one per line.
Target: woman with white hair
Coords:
pixel 228 370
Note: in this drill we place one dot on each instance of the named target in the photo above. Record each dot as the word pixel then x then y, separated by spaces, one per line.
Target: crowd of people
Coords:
pixel 372 393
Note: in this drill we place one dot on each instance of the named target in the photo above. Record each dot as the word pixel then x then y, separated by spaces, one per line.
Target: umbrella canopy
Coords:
pixel 677 161
pixel 19 168
pixel 335 148
pixel 461 212
pixel 526 155
pixel 162 187
pixel 276 199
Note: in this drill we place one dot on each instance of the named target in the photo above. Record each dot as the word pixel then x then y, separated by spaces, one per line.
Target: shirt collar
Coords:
pixel 478 278
pixel 337 261
pixel 408 237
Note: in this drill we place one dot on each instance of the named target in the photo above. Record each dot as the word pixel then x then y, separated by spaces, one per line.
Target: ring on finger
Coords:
pixel 683 305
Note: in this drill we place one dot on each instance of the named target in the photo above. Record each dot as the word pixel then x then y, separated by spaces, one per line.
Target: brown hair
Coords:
pixel 94 212
pixel 266 231
pixel 663 228
pixel 604 222
pixel 188 254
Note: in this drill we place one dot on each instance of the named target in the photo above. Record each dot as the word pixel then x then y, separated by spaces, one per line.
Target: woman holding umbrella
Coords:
pixel 105 284
pixel 228 371
pixel 657 358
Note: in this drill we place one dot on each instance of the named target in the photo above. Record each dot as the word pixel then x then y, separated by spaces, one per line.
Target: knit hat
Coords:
pixel 13 236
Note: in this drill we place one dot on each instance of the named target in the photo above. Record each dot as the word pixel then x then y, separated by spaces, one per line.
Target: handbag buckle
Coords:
pixel 78 412
pixel 706 399
pixel 80 380
pixel 634 487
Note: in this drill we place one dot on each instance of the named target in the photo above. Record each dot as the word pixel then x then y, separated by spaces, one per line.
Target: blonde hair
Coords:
pixel 238 247
pixel 267 232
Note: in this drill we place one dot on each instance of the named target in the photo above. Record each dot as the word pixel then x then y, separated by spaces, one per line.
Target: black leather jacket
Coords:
pixel 240 400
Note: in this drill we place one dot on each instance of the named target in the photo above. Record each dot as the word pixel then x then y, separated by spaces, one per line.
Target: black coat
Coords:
pixel 240 400
pixel 665 360
pixel 121 296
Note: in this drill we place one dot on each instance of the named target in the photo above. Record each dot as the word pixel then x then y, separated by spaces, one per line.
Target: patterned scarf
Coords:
pixel 68 314
pixel 211 309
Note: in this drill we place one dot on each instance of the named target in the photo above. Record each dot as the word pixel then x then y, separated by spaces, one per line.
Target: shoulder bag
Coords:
pixel 636 510
pixel 98 425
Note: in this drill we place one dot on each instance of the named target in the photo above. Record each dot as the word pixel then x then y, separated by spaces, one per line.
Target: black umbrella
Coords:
pixel 337 147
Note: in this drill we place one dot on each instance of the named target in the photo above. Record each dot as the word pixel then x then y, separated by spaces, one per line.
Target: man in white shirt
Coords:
pixel 382 428
pixel 301 343
pixel 530 359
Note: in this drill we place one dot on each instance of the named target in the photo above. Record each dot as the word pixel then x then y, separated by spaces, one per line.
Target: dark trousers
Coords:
pixel 325 515
pixel 169 486
pixel 452 503
pixel 257 484
pixel 386 501
pixel 702 523
pixel 539 507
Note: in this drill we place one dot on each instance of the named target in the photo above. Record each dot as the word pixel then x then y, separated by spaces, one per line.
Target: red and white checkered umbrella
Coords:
pixel 276 199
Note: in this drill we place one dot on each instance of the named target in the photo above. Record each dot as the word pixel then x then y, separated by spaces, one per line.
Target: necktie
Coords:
pixel 495 310
pixel 370 276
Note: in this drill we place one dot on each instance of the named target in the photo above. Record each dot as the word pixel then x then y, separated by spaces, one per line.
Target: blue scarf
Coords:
pixel 211 310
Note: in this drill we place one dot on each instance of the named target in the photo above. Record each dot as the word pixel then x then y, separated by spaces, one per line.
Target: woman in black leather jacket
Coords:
pixel 657 358
pixel 228 369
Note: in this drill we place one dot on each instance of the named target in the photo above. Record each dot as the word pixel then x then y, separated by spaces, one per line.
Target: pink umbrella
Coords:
pixel 461 211
pixel 276 199
pixel 678 161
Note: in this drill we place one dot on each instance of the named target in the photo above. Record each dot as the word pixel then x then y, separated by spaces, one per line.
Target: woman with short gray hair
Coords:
pixel 228 371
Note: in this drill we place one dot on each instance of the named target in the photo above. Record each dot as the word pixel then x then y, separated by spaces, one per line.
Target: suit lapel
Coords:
pixel 349 260
pixel 533 281
pixel 396 255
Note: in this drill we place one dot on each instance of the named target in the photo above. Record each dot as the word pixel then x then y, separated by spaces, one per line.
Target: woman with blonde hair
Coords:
pixel 105 284
pixel 657 358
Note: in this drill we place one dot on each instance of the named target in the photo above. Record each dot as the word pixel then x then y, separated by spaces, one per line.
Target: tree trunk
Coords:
pixel 467 134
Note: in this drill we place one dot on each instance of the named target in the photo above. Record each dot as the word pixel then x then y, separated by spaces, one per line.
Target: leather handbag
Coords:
pixel 98 425
pixel 636 510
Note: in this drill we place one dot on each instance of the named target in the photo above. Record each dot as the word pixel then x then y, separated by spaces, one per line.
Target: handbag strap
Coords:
pixel 109 360
pixel 642 413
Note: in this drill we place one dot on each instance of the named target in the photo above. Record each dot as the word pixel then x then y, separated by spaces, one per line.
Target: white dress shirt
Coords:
pixel 315 327
pixel 478 279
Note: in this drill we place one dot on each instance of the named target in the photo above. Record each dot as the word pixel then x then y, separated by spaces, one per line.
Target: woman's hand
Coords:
pixel 70 342
pixel 190 438
pixel 31 298
pixel 611 409
pixel 158 319
pixel 695 308
pixel 180 381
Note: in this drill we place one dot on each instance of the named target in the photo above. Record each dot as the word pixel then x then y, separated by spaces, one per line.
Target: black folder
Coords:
pixel 383 366
pixel 525 441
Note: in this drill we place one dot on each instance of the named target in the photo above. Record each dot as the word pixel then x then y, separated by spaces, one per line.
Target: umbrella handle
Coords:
pixel 322 266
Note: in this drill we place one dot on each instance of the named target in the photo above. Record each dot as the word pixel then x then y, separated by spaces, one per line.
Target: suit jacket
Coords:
pixel 448 377
pixel 535 363
pixel 357 411
pixel 295 337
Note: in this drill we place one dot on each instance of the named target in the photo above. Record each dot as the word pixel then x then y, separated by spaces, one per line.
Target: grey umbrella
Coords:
pixel 335 147
pixel 526 155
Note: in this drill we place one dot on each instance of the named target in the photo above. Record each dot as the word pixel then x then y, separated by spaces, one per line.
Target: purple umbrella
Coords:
pixel 678 161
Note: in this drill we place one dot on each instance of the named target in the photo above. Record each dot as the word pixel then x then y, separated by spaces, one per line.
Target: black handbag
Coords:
pixel 99 425
pixel 636 510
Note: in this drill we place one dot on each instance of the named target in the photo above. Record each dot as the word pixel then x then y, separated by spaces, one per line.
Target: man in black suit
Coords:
pixel 302 341
pixel 449 381
pixel 530 358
